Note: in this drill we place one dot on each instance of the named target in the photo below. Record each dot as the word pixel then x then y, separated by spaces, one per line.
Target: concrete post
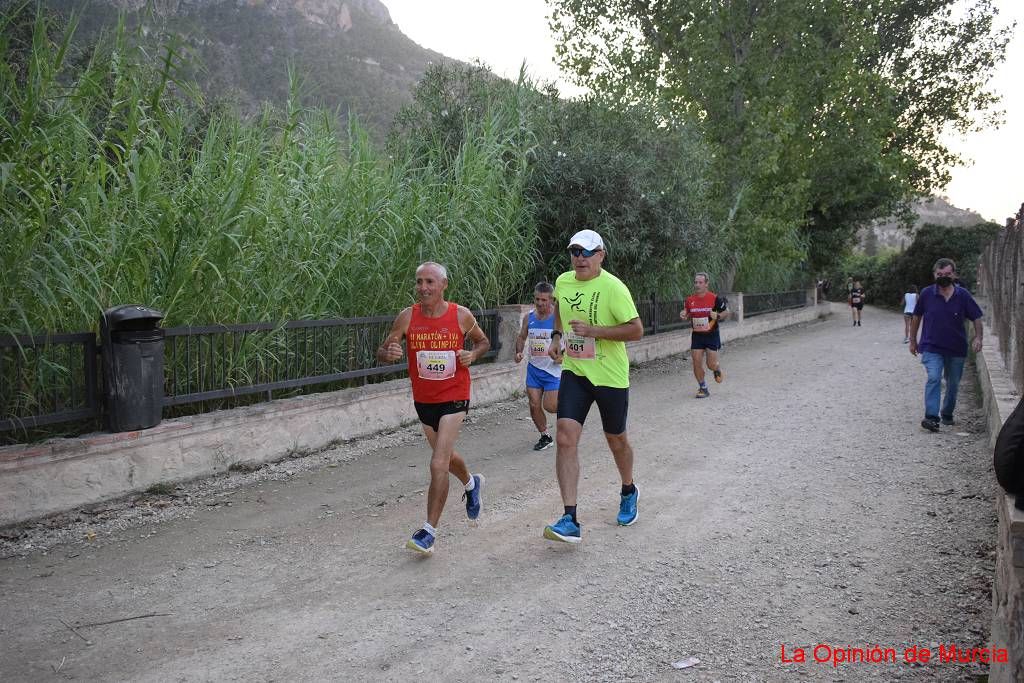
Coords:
pixel 738 306
pixel 508 330
pixel 812 296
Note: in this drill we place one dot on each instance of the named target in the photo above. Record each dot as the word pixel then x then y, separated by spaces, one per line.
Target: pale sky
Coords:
pixel 504 33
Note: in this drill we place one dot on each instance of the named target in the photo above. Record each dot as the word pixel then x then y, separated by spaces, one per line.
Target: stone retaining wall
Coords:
pixel 1000 397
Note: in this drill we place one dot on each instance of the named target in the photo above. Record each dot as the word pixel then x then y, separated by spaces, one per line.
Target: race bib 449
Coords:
pixel 435 364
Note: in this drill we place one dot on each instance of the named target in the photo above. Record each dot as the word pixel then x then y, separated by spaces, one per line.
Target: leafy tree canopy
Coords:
pixel 823 114
pixel 637 180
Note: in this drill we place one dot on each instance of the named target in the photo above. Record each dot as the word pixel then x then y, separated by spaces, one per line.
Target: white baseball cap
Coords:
pixel 588 239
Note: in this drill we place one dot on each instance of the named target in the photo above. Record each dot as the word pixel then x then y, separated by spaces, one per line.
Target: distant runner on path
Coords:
pixel 435 331
pixel 705 310
pixel 596 313
pixel 856 300
pixel 543 374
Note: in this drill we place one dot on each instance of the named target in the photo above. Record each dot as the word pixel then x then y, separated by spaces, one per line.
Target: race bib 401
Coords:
pixel 581 348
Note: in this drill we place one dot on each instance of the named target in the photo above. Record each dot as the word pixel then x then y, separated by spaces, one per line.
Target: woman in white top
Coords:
pixel 909 302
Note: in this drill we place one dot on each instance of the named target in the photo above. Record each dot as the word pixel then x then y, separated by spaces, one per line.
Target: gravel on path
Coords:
pixel 801 506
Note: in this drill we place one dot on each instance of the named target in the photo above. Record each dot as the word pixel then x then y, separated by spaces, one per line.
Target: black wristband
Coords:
pixel 556 332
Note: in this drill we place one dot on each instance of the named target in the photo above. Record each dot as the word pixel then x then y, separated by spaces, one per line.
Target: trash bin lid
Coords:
pixel 131 313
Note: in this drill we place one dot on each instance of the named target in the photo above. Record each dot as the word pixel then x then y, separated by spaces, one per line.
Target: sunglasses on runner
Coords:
pixel 580 251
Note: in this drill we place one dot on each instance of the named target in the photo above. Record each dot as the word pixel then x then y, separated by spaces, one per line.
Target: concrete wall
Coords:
pixel 62 474
pixel 1000 398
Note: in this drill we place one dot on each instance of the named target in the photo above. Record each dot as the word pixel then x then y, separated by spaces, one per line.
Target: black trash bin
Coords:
pixel 133 367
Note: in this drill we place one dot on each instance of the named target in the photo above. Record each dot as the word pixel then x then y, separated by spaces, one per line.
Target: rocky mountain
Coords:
pixel 891 234
pixel 349 53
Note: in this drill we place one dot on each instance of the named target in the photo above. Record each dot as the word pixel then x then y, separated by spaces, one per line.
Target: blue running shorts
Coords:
pixel 539 379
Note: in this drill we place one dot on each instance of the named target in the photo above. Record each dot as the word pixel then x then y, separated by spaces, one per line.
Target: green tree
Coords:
pixel 823 114
pixel 624 172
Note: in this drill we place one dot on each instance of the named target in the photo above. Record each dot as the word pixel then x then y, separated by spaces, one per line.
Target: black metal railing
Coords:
pixel 660 315
pixel 50 379
pixel 769 302
pixel 227 361
pixel 47 379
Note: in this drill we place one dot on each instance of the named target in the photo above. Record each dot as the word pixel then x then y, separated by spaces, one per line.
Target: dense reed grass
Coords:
pixel 119 185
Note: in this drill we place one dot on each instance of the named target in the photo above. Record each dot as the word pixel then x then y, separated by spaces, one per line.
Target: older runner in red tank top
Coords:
pixel 435 331
pixel 433 345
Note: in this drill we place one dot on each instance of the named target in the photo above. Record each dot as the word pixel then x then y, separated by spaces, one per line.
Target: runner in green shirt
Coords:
pixel 594 311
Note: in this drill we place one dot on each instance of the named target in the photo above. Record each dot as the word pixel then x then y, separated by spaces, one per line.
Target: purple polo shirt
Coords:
pixel 942 329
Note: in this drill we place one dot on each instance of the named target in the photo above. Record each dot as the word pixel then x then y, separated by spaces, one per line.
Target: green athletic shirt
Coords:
pixel 604 301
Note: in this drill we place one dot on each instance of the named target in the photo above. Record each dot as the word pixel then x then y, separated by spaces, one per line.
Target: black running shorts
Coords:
pixel 710 341
pixel 430 414
pixel 576 394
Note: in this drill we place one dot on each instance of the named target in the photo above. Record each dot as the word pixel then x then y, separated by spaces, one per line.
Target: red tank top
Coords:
pixel 699 309
pixel 432 345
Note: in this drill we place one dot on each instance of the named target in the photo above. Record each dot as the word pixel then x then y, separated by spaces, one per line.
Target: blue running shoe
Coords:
pixel 422 542
pixel 564 530
pixel 472 498
pixel 627 508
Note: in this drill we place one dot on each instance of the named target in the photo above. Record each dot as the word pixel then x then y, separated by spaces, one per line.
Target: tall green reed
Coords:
pixel 119 185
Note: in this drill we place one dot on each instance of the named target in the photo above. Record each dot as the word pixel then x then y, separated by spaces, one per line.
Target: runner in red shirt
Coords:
pixel 435 331
pixel 704 310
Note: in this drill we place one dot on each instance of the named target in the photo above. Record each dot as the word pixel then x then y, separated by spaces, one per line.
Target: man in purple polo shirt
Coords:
pixel 944 307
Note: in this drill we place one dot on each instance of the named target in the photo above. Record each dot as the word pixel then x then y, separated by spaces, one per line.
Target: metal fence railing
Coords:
pixel 661 315
pixel 769 302
pixel 47 379
pixel 51 379
pixel 1001 277
pixel 227 361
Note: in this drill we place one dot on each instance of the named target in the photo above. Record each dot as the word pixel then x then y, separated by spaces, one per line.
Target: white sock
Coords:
pixel 472 483
pixel 429 529
pixel 545 433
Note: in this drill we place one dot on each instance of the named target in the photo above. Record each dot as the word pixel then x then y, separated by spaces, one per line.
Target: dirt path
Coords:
pixel 801 504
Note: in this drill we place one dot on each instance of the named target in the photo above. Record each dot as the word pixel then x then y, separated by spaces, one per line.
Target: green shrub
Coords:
pixel 932 242
pixel 634 178
pixel 887 275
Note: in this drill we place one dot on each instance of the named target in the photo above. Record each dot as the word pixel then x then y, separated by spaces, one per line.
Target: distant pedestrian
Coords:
pixel 909 302
pixel 944 307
